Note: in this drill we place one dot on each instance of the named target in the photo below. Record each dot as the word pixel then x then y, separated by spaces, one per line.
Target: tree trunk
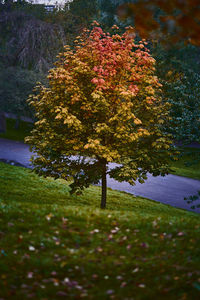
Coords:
pixel 104 187
pixel 2 123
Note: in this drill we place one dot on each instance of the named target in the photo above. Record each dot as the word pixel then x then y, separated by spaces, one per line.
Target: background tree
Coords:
pixel 102 105
pixel 16 84
pixel 26 39
pixel 28 47
pixel 178 70
pixel 107 14
pixel 83 10
pixel 175 19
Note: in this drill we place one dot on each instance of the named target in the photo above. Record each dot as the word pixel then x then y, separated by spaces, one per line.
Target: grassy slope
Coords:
pixel 189 163
pixel 57 246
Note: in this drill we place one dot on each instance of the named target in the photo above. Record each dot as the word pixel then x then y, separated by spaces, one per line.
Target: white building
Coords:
pixel 51 4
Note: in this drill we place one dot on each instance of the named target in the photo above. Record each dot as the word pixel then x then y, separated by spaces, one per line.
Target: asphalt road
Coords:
pixel 170 189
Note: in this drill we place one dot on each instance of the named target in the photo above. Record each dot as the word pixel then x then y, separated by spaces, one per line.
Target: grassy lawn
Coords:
pixel 57 246
pixel 189 163
pixel 14 134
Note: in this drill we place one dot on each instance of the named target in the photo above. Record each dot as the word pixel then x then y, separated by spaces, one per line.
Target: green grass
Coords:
pixel 57 246
pixel 14 134
pixel 188 164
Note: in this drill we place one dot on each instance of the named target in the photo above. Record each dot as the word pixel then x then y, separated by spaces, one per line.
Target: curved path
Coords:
pixel 170 189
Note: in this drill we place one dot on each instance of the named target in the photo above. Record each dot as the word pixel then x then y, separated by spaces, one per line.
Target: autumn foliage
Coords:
pixel 178 20
pixel 102 105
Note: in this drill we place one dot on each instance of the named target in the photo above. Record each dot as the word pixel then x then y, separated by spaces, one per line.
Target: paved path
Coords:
pixel 170 189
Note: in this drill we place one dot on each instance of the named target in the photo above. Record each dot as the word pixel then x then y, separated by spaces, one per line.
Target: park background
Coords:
pixel 154 248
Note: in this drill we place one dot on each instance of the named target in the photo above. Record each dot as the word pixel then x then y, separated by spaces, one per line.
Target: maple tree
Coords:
pixel 103 105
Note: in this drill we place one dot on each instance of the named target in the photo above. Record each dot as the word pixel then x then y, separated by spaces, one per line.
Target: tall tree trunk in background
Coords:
pixel 2 122
pixel 104 186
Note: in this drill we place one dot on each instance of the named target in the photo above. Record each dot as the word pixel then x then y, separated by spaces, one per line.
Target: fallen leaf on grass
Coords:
pixel 123 284
pixel 31 248
pixel 109 292
pixel 135 270
pixel 142 286
pixel 30 275
pixel 181 234
pixel 48 217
